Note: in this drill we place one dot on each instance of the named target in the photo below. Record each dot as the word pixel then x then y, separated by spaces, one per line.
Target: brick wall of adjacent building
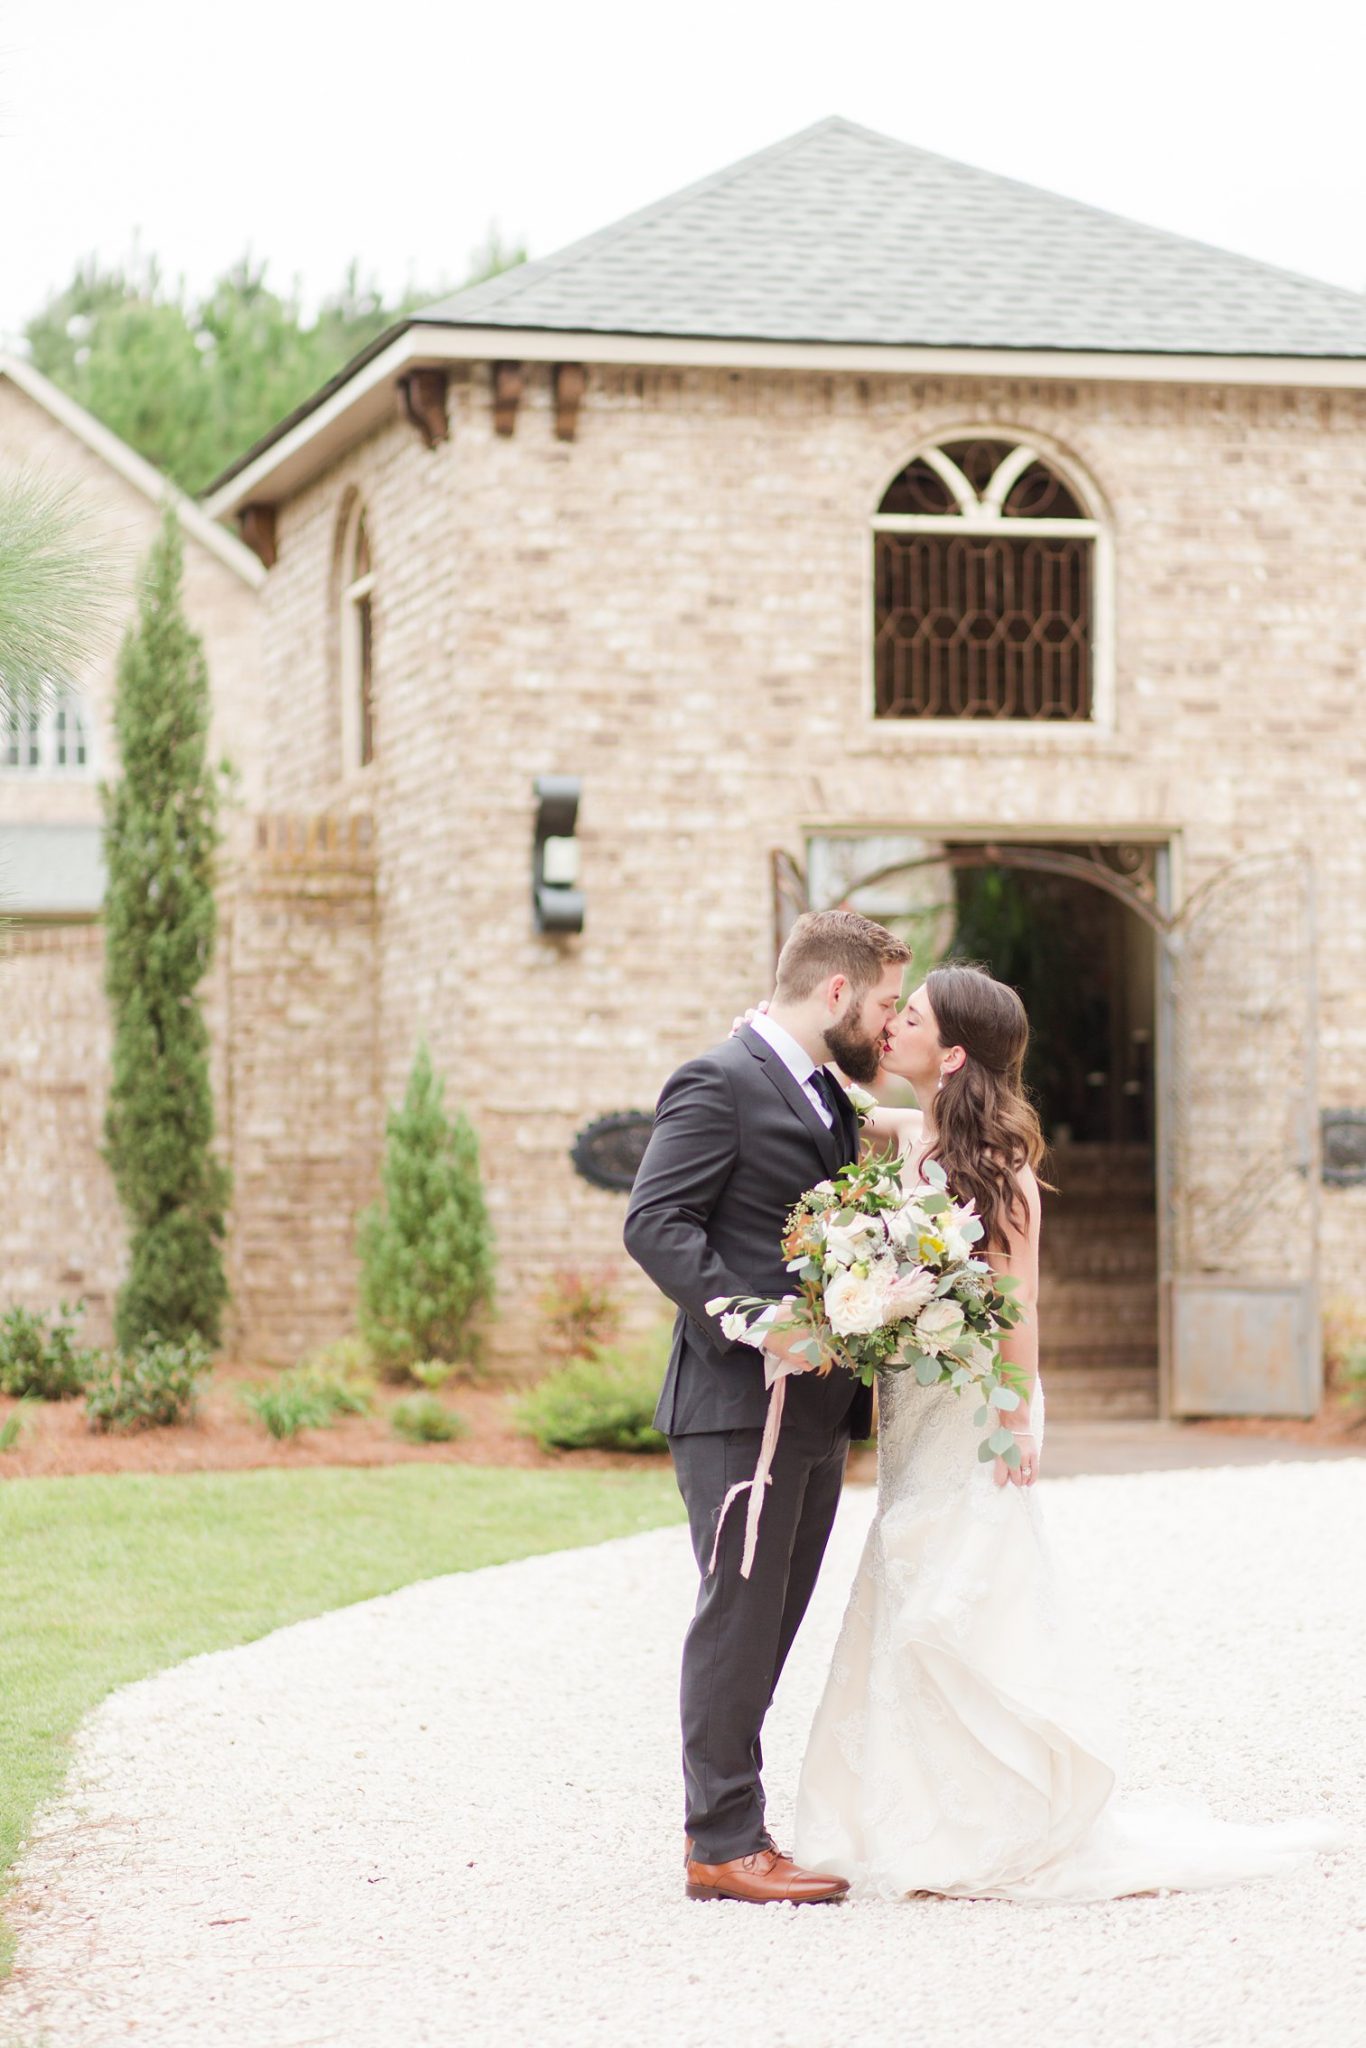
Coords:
pixel 676 608
pixel 61 1235
pixel 120 523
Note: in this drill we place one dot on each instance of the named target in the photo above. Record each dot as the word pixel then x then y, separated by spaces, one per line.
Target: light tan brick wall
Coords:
pixel 61 1237
pixel 301 1114
pixel 676 608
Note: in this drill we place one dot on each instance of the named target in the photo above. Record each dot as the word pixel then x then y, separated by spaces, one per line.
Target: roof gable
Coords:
pixel 132 467
pixel 842 235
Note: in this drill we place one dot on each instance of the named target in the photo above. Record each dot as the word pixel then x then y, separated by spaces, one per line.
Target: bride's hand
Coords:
pixel 1027 1471
pixel 759 1010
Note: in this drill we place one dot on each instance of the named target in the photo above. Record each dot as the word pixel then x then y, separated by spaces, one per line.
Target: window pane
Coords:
pixel 367 704
pixel 982 626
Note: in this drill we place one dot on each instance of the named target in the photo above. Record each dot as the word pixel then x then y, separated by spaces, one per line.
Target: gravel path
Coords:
pixel 450 1816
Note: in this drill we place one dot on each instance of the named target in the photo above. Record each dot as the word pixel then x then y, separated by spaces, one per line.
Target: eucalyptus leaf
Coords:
pixel 927 1371
pixel 979 1420
pixel 985 1454
pixel 1003 1397
pixel 1001 1441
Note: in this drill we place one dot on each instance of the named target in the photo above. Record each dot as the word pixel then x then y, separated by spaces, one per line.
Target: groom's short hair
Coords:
pixel 826 942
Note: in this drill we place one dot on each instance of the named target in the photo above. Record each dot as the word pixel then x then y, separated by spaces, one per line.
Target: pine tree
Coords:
pixel 427 1248
pixel 161 836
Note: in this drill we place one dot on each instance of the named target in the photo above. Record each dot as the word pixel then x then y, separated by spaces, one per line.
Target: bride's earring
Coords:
pixel 939 1085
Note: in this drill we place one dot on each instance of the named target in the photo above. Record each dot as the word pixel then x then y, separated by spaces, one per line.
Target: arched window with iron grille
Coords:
pixel 985 588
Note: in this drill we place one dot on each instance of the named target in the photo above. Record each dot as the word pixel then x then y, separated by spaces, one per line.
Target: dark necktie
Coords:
pixel 836 1101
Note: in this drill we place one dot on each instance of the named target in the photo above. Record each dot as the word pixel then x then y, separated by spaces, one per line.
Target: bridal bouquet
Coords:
pixel 887 1281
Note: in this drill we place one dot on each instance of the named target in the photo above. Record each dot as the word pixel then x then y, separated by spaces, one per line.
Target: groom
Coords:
pixel 739 1134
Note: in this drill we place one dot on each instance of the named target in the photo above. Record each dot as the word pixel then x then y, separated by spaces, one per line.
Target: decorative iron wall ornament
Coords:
pixel 984 596
pixel 608 1151
pixel 1344 1147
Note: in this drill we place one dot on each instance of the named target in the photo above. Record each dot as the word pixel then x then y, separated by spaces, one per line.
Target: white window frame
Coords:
pixel 983 514
pixel 62 699
pixel 354 590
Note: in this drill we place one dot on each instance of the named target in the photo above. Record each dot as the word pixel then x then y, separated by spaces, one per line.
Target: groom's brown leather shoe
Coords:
pixel 763 1879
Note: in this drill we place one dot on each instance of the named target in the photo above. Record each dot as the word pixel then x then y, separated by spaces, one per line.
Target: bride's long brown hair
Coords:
pixel 986 1128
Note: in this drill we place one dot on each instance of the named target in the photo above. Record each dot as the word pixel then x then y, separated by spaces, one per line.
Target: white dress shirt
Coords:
pixel 796 1059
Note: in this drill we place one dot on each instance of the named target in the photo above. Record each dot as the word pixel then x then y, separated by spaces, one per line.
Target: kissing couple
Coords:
pixel 956 1749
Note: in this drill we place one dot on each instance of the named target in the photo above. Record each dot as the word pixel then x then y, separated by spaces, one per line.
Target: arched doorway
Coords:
pixel 1180 1247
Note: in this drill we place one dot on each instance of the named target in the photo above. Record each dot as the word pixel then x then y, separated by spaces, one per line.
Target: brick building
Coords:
pixel 852 525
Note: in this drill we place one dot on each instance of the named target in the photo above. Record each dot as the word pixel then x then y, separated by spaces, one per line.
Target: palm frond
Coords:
pixel 57 587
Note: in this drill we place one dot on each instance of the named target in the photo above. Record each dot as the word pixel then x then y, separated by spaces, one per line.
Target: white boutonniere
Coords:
pixel 864 1103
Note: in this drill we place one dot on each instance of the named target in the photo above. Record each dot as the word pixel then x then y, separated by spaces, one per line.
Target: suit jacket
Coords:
pixel 735 1143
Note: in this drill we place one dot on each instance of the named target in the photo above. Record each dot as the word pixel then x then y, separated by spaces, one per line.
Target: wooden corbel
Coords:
pixel 423 393
pixel 256 523
pixel 571 380
pixel 508 383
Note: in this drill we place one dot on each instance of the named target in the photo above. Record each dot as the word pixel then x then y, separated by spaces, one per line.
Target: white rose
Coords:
pixel 847 1243
pixel 854 1304
pixel 937 1325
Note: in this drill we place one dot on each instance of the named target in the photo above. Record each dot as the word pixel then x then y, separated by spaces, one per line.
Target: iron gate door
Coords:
pixel 1239 1151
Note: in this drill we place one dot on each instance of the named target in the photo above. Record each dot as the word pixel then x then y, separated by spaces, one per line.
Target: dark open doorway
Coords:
pixel 1085 966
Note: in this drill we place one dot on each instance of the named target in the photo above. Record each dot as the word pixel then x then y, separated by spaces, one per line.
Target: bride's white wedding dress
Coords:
pixel 955 1749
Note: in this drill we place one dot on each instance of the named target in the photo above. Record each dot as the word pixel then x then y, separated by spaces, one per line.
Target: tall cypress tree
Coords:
pixel 161 837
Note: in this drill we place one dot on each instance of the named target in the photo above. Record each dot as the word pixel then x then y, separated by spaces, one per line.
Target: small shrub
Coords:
pixel 306 1398
pixel 424 1420
pixel 426 1249
pixel 604 1402
pixel 345 1358
pixel 14 1425
pixel 432 1373
pixel 1344 1349
pixel 581 1312
pixel 151 1388
pixel 46 1365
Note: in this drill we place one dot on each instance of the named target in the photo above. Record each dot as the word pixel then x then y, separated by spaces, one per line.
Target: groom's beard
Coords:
pixel 852 1049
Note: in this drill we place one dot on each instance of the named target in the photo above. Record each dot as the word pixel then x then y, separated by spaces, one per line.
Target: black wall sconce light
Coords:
pixel 556 898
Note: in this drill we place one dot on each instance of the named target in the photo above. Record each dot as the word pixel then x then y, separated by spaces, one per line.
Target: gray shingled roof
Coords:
pixel 843 235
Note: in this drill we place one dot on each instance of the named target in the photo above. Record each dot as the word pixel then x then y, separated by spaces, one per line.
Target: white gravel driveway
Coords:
pixel 451 1817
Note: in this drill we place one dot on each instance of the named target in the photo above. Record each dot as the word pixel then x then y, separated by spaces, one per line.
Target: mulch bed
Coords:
pixel 225 1438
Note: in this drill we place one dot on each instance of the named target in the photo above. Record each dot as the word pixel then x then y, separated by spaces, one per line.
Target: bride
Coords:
pixel 955 1750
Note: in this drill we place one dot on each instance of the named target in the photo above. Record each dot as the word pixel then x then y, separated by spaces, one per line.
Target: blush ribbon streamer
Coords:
pixel 776 1375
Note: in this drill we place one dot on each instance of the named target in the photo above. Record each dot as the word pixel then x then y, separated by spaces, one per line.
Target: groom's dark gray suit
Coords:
pixel 735 1143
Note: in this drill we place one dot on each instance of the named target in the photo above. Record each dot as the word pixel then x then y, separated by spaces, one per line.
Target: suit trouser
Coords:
pixel 742 1629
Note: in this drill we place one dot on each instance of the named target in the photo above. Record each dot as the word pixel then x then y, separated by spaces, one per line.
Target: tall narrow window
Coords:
pixel 357 644
pixel 984 578
pixel 69 749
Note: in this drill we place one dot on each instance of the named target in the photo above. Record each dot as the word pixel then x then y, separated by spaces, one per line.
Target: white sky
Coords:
pixel 310 133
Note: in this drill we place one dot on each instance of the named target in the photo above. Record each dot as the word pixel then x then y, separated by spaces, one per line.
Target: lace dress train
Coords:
pixel 957 1748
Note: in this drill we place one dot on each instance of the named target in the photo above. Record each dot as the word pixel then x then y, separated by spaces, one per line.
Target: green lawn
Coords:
pixel 103 1580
